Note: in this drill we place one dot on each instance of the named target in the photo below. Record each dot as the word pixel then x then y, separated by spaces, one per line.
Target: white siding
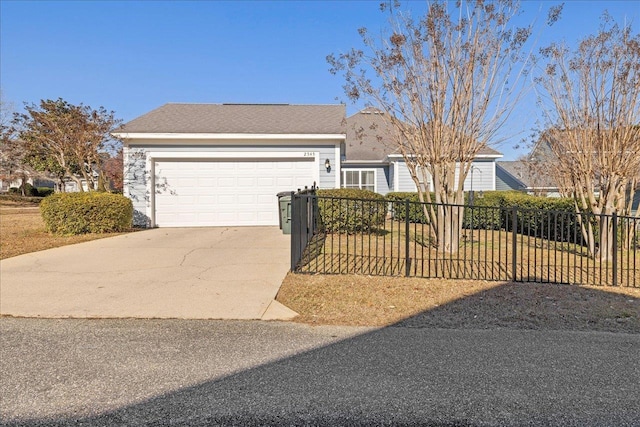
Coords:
pixel 403 177
pixel 483 177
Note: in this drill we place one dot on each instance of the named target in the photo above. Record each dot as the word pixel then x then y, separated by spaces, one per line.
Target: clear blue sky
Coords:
pixel 132 57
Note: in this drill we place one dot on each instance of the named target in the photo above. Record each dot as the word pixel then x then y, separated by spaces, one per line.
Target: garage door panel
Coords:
pixel 225 198
pixel 265 198
pixel 226 181
pixel 247 165
pixel 207 199
pixel 206 183
pixel 231 192
pixel 265 181
pixel 246 182
pixel 247 199
pixel 226 165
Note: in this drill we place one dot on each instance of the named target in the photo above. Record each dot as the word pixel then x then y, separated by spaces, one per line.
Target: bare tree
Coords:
pixel 591 100
pixel 446 84
pixel 67 139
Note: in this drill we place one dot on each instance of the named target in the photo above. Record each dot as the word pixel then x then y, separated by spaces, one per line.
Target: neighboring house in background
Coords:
pixel 5 185
pixel 521 175
pixel 531 175
pixel 71 186
pixel 223 164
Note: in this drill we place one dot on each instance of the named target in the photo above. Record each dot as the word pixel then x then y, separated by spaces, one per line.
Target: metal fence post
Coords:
pixel 295 239
pixel 614 261
pixel 514 243
pixel 407 260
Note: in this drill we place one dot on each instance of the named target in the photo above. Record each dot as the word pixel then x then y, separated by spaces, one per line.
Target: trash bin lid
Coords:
pixel 284 193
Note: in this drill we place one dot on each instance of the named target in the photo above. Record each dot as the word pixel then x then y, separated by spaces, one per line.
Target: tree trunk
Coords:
pixel 78 182
pixel 449 228
pixel 605 248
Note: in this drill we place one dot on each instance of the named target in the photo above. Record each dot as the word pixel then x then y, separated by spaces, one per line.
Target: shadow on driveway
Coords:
pixel 406 374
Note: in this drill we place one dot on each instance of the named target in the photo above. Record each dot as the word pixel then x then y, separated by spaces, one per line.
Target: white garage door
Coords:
pixel 226 192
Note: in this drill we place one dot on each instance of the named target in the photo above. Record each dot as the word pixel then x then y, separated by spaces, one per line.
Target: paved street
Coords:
pixel 198 372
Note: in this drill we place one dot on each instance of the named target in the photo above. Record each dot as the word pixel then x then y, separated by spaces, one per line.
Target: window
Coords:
pixel 359 178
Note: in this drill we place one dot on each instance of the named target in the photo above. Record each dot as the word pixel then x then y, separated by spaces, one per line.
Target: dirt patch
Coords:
pixel 412 302
pixel 22 231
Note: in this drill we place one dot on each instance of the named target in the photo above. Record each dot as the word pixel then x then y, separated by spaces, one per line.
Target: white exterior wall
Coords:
pixel 139 156
pixel 402 178
pixel 484 177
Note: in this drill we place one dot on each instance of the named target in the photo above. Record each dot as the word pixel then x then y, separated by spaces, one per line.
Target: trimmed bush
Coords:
pixel 349 210
pixel 416 211
pixel 92 212
pixel 491 211
pixel 29 190
pixel 18 198
pixel 45 191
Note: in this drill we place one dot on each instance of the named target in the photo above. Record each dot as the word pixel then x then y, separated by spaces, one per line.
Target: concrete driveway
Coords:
pixel 185 273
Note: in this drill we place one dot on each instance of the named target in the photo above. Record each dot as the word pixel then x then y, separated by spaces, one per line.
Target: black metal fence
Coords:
pixel 378 237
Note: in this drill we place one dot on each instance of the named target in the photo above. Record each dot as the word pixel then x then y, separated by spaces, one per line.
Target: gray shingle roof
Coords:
pixel 240 118
pixel 527 173
pixel 370 138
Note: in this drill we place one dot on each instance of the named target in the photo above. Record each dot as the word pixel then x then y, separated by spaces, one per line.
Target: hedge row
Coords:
pixel 398 207
pixel 549 218
pixel 349 210
pixel 90 212
pixel 17 198
pixel 31 191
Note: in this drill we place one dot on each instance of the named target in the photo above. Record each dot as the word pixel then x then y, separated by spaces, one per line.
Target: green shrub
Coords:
pixel 398 208
pixel 473 218
pixel 492 211
pixel 18 198
pixel 45 191
pixel 92 212
pixel 350 210
pixel 550 218
pixel 29 190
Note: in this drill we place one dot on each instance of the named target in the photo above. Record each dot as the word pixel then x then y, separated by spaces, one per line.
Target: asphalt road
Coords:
pixel 179 372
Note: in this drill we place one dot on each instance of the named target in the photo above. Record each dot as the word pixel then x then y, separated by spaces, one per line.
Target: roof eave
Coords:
pixel 363 162
pixel 478 156
pixel 227 136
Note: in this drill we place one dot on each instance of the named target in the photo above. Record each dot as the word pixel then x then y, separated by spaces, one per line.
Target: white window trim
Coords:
pixel 360 170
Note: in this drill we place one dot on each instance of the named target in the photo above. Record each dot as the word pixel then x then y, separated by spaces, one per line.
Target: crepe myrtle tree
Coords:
pixel 590 96
pixel 445 84
pixel 67 139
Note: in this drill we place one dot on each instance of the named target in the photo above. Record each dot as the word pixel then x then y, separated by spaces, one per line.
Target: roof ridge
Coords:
pixel 252 104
